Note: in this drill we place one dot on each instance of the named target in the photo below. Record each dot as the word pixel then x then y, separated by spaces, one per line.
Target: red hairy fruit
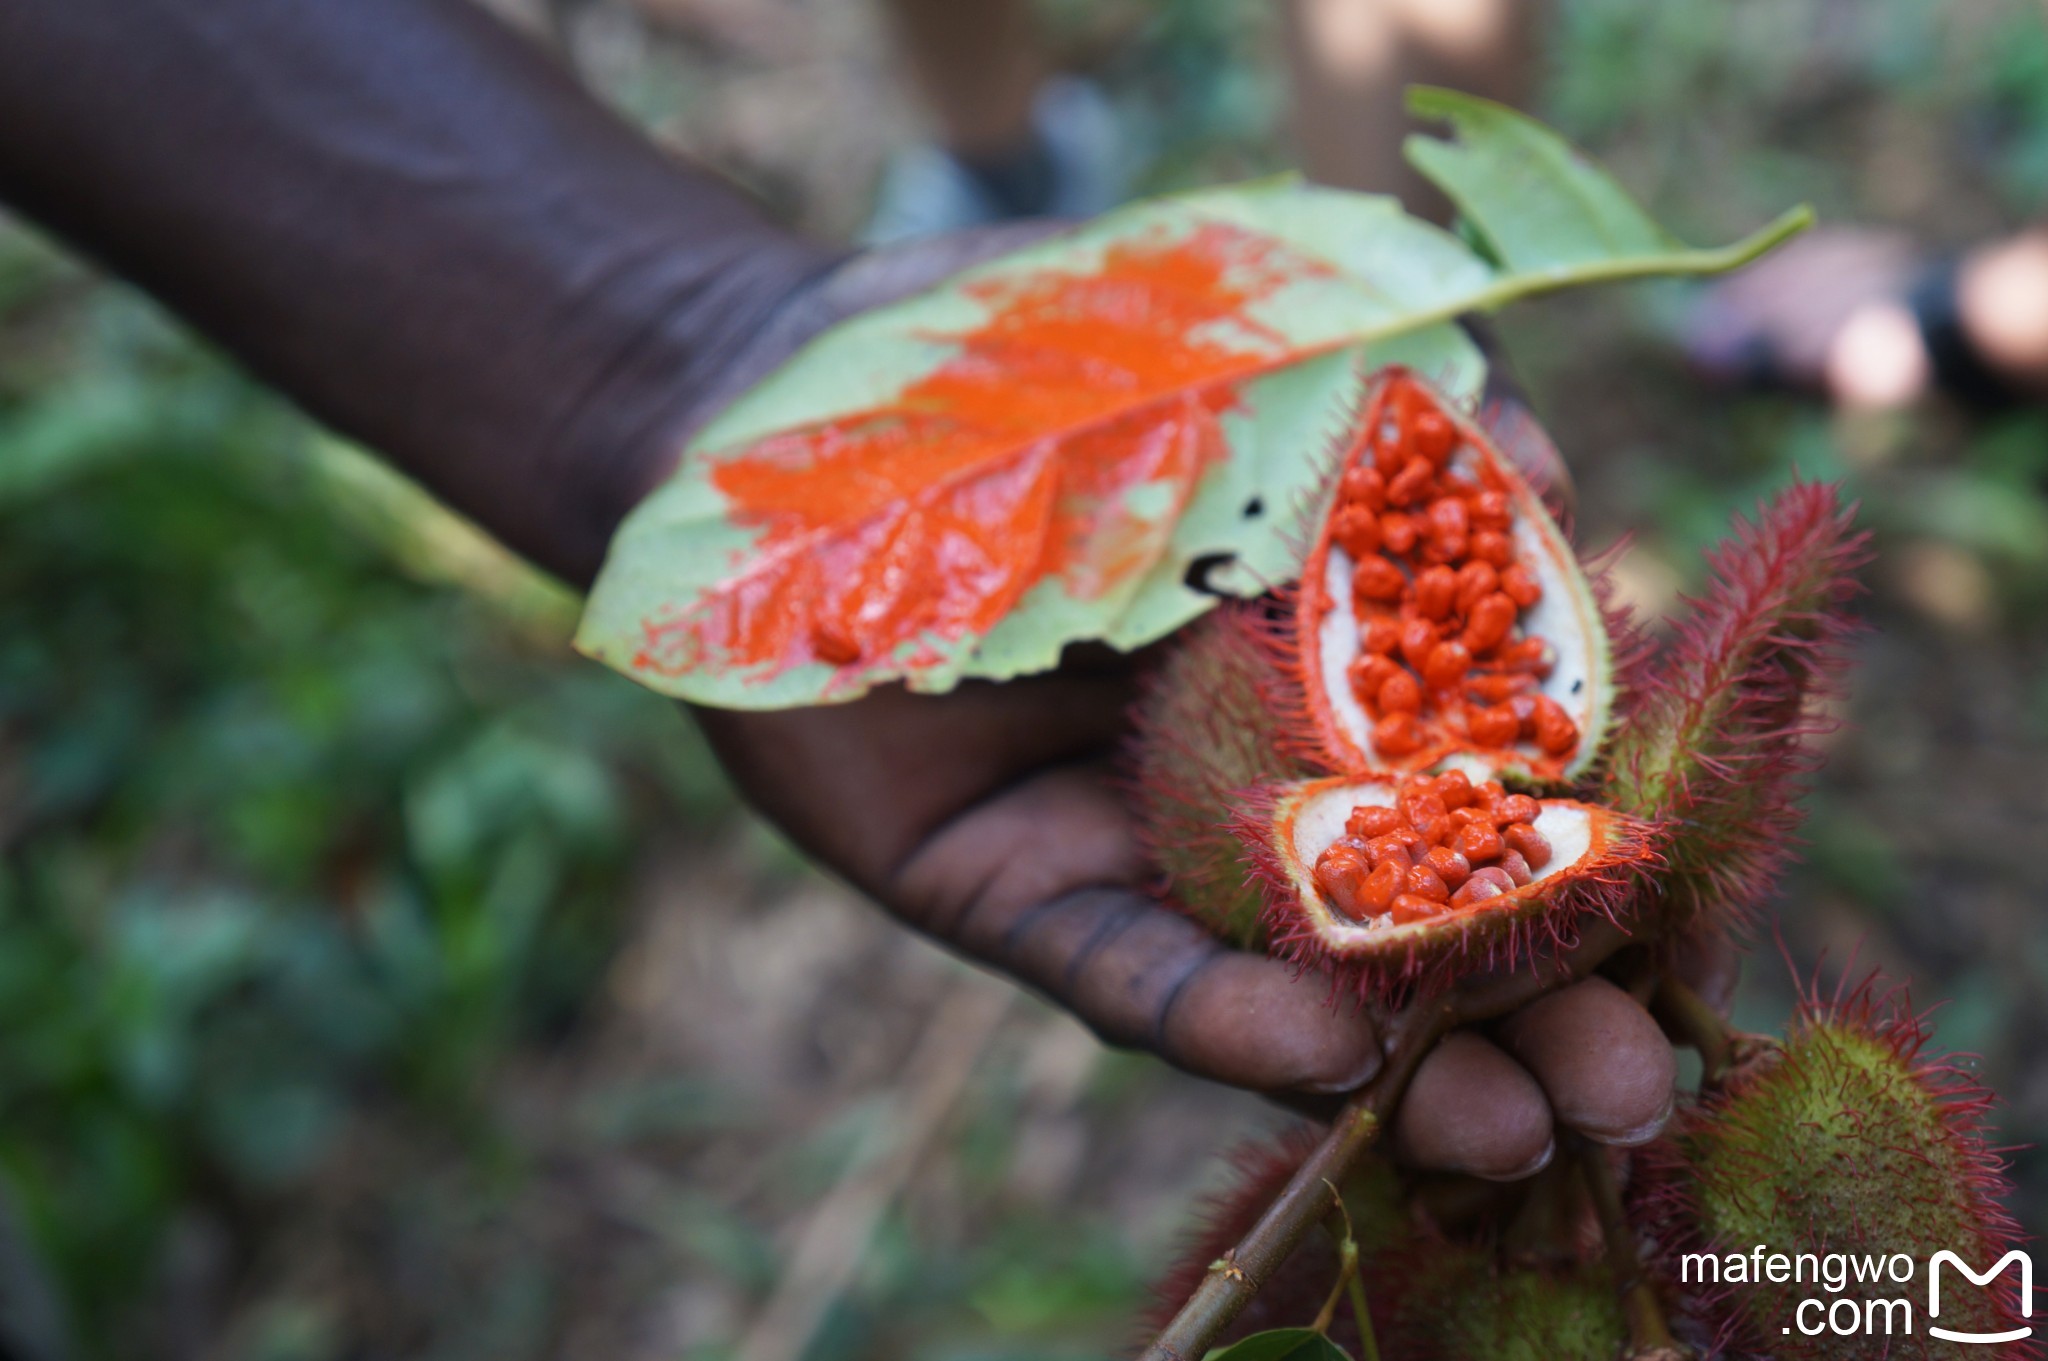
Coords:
pixel 1848 1140
pixel 1431 1298
pixel 1346 774
pixel 1718 746
pixel 1431 872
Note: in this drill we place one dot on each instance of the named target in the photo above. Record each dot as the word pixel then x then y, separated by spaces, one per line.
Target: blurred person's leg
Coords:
pixel 1352 59
pixel 1014 139
pixel 1857 315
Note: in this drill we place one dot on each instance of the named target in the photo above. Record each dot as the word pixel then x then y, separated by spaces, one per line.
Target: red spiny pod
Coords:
pixel 1847 1145
pixel 1418 670
pixel 1717 747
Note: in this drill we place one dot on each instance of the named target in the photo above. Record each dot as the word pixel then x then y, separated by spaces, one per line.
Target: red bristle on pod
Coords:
pixel 1718 746
pixel 1851 1145
pixel 1444 664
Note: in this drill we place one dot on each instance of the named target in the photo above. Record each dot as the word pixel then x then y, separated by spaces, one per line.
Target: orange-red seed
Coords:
pixel 1399 694
pixel 1357 530
pixel 1372 820
pixel 1556 734
pixel 1432 436
pixel 1409 485
pixel 1493 726
pixel 1516 808
pixel 1393 846
pixel 1381 885
pixel 1521 585
pixel 1436 591
pixel 1407 907
pixel 1418 640
pixel 1340 874
pixel 1533 846
pixel 1424 883
pixel 1398 532
pixel 1397 735
pixel 1476 581
pixel 1490 510
pixel 1449 866
pixel 1487 626
pixel 1492 546
pixel 1477 842
pixel 1448 662
pixel 1382 636
pixel 1378 579
pixel 1365 486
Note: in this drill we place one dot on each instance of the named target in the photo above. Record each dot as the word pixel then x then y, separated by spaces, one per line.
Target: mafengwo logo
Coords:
pixel 1847 1301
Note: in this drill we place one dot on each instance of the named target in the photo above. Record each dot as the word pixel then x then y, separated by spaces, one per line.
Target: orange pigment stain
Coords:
pixel 1011 462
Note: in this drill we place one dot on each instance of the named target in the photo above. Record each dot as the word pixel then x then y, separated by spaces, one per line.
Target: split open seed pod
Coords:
pixel 1371 745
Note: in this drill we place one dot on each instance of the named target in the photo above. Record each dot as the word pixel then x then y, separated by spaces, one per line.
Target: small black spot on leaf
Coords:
pixel 1202 568
pixel 1254 508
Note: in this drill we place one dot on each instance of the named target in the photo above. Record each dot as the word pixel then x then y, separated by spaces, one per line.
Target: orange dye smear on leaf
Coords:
pixel 1061 438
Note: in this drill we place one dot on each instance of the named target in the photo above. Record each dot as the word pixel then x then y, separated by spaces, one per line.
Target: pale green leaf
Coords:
pixel 1543 206
pixel 1346 283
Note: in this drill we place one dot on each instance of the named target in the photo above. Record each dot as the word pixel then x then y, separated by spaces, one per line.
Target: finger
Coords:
pixel 1472 1109
pixel 859 785
pixel 1041 883
pixel 1603 1063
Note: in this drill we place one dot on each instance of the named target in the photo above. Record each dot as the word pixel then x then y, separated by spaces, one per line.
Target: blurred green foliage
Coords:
pixel 279 825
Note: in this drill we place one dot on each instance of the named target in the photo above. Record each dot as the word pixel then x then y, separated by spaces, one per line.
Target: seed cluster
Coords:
pixel 1446 844
pixel 1438 594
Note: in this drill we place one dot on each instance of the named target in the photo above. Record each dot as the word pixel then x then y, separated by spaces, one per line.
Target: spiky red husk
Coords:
pixel 1607 884
pixel 1953 1174
pixel 1205 731
pixel 1718 747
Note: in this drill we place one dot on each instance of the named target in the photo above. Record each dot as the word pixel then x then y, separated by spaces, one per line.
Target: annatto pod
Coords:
pixel 1431 1298
pixel 1846 1141
pixel 1365 741
pixel 1451 1302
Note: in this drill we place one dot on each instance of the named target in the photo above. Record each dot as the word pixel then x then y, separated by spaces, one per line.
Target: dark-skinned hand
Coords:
pixel 989 819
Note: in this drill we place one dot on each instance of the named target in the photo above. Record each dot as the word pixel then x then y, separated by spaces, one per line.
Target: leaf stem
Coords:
pixel 1513 287
pixel 1354 1282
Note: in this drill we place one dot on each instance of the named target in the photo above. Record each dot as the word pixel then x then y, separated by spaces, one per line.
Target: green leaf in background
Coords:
pixel 1089 439
pixel 1542 206
pixel 1283 1344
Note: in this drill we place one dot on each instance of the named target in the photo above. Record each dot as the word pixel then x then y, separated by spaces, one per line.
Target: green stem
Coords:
pixel 1532 283
pixel 1696 1023
pixel 1649 1337
pixel 1354 1282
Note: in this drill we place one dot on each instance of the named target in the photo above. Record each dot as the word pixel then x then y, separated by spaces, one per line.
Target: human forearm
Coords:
pixel 409 221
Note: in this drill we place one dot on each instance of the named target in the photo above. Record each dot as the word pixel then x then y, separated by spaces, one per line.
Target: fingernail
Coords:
pixel 1541 1161
pixel 1641 1134
pixel 1366 1071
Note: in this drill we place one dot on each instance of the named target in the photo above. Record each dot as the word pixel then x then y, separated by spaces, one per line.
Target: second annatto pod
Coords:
pixel 1370 772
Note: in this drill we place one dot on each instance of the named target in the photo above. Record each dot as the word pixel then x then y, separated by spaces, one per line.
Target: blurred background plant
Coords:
pixel 378 980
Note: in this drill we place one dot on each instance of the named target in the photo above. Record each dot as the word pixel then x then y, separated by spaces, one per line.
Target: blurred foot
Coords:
pixel 1074 164
pixel 1828 313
